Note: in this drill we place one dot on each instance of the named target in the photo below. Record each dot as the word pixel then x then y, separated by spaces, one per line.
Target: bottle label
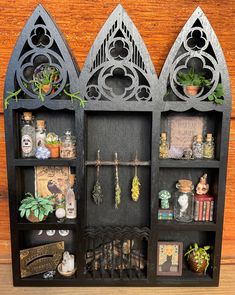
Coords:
pixel 26 144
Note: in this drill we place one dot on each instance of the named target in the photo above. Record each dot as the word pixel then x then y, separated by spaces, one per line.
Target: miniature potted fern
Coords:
pixel 198 258
pixel 192 81
pixel 36 208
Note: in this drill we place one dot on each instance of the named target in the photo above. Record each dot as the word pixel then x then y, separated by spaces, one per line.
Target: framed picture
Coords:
pixel 169 258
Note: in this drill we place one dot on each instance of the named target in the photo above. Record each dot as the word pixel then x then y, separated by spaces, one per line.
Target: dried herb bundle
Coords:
pixel 135 190
pixel 97 194
pixel 117 186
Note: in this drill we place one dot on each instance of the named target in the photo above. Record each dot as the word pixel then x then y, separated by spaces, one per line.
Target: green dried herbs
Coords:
pixel 117 185
pixel 97 194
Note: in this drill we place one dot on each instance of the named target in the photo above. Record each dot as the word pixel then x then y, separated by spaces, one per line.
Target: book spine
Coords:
pixel 208 205
pixel 212 211
pixel 200 211
pixel 196 210
pixel 204 211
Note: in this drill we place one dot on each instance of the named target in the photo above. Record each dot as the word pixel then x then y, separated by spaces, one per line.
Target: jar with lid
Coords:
pixel 209 147
pixel 68 145
pixel 28 142
pixel 198 147
pixel 163 146
pixel 40 133
pixel 184 201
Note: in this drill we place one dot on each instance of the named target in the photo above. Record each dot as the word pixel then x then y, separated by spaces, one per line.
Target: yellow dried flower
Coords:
pixel 135 190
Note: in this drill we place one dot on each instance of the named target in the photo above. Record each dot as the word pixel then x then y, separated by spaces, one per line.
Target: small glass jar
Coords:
pixel 198 147
pixel 27 135
pixel 68 145
pixel 163 147
pixel 209 147
pixel 40 133
pixel 184 201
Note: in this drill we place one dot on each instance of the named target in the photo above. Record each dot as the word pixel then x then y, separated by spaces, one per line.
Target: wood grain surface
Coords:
pixel 159 23
pixel 227 286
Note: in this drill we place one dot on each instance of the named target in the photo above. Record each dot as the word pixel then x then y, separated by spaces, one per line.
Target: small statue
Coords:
pixel 164 196
pixel 202 187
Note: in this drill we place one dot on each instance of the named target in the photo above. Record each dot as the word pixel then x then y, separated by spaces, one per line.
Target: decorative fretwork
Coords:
pixel 119 65
pixel 195 48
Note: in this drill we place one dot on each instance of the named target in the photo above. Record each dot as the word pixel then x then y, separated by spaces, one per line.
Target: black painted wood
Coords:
pixel 127 108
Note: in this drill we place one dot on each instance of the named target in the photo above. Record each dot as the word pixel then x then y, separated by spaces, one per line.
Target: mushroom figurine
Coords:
pixel 164 196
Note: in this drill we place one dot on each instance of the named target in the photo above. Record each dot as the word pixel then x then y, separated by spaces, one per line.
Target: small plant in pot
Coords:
pixel 198 258
pixel 36 208
pixel 53 144
pixel 192 81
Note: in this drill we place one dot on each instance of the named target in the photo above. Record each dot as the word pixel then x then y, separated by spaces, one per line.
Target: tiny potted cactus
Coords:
pixel 198 258
pixel 192 81
pixel 53 144
pixel 36 208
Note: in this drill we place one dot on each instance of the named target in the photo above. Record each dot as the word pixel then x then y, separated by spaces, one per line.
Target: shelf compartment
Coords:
pixel 116 253
pixel 50 223
pixel 179 226
pixel 172 163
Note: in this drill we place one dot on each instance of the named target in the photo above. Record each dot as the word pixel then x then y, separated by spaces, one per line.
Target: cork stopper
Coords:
pixel 209 136
pixel 40 124
pixel 184 185
pixel 199 138
pixel 27 116
pixel 163 135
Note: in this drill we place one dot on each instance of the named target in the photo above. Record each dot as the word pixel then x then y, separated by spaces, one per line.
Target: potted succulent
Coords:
pixel 35 208
pixel 198 258
pixel 53 144
pixel 44 80
pixel 192 81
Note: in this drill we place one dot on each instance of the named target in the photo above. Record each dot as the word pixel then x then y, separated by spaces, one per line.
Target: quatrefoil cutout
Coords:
pixel 40 37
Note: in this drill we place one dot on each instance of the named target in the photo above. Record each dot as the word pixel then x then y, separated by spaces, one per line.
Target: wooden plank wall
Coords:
pixel 159 23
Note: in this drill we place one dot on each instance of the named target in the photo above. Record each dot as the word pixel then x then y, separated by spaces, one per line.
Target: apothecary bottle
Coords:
pixel 28 141
pixel 40 133
pixel 184 201
pixel 163 146
pixel 68 145
pixel 198 147
pixel 209 147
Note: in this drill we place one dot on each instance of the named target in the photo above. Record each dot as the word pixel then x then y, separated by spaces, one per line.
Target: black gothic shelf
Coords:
pixel 127 108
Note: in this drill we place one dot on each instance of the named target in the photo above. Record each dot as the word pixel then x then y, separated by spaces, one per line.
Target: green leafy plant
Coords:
pixel 217 94
pixel 41 82
pixel 191 78
pixel 200 255
pixel 36 205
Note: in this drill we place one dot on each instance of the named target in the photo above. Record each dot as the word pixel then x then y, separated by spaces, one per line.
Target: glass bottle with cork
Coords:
pixel 40 133
pixel 163 147
pixel 184 201
pixel 209 147
pixel 68 145
pixel 198 147
pixel 28 141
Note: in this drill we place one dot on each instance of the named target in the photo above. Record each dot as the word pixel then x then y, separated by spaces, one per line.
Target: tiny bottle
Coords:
pixel 68 145
pixel 27 135
pixel 209 147
pixel 40 133
pixel 198 147
pixel 70 204
pixel 184 201
pixel 163 147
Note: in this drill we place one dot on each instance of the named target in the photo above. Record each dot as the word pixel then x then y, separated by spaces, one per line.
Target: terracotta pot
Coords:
pixel 33 218
pixel 54 149
pixel 194 265
pixel 192 90
pixel 46 88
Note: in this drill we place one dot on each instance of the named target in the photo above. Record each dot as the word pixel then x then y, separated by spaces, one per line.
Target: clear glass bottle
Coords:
pixel 209 147
pixel 184 201
pixel 40 133
pixel 163 147
pixel 28 142
pixel 68 145
pixel 198 147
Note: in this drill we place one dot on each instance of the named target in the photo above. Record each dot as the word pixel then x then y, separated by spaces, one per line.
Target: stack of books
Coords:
pixel 203 208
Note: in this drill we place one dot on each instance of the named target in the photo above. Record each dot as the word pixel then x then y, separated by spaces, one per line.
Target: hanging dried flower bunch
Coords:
pixel 97 193
pixel 135 190
pixel 117 186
